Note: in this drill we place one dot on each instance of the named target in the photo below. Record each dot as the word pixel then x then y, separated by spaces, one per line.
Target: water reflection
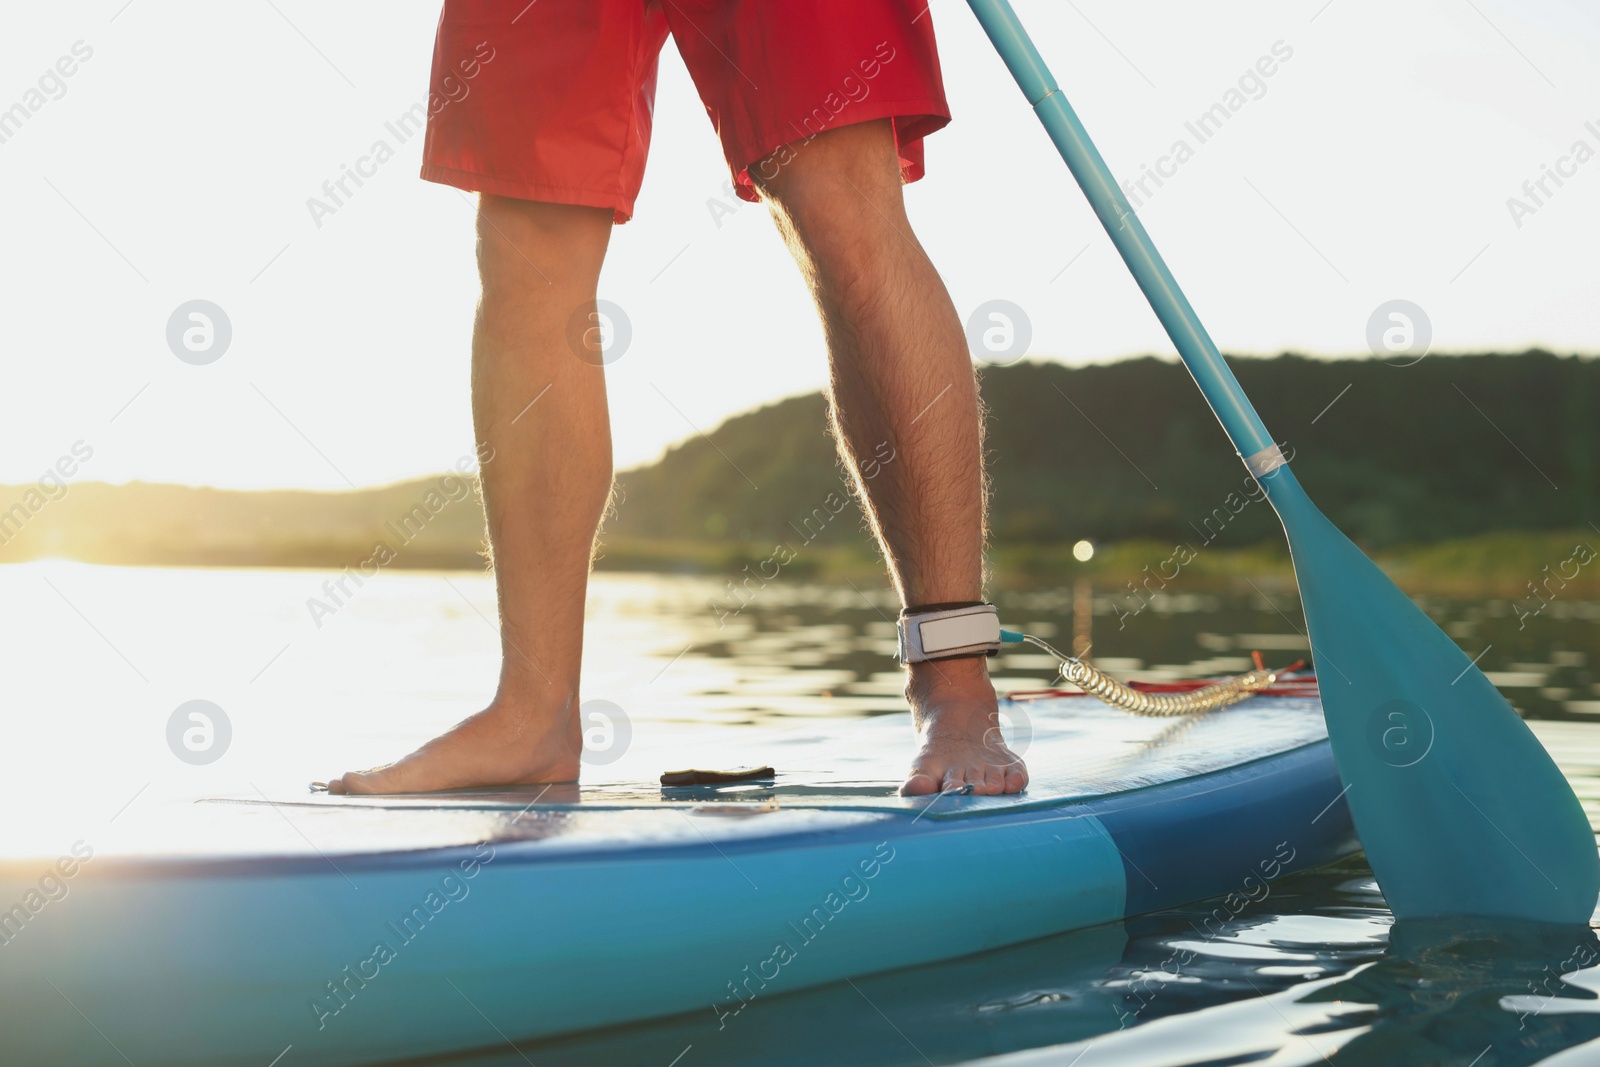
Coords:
pixel 1544 665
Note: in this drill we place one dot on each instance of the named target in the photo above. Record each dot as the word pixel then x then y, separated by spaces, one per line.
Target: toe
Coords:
pixel 994 780
pixel 1016 778
pixel 955 781
pixel 363 782
pixel 918 785
pixel 336 785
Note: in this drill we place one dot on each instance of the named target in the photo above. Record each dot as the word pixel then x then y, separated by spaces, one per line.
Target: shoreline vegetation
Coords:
pixel 1524 565
pixel 1122 454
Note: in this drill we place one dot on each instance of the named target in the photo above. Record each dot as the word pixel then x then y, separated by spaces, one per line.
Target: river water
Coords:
pixel 315 679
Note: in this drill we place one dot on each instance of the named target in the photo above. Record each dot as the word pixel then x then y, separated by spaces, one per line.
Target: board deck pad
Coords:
pixel 832 773
pixel 1075 747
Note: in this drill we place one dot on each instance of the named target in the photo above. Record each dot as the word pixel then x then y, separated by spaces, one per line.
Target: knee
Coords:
pixel 837 194
pixel 526 247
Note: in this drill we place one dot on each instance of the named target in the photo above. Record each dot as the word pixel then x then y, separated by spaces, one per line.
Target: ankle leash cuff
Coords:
pixel 947 631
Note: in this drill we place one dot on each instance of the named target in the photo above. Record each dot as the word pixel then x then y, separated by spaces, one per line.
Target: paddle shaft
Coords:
pixel 1233 409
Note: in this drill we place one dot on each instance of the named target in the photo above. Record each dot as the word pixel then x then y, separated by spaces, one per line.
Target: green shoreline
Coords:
pixel 1520 565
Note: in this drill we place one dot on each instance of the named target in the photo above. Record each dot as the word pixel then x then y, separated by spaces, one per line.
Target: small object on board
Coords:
pixel 696 777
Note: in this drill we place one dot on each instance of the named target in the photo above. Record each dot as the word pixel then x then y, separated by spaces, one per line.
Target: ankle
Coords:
pixel 965 678
pixel 535 697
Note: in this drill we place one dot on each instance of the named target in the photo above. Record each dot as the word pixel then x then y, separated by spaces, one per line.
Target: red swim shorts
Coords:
pixel 552 99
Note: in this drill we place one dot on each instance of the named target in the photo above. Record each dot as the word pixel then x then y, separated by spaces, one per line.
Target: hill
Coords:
pixel 1452 447
pixel 1449 447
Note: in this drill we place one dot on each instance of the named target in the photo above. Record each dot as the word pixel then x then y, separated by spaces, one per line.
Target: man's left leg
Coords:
pixel 901 378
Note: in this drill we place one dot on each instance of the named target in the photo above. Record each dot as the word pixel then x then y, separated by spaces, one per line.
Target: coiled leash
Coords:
pixel 955 631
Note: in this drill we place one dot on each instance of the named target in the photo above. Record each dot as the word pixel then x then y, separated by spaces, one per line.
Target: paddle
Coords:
pixel 1460 809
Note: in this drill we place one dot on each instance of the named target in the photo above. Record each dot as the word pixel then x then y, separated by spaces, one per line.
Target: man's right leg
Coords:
pixel 545 441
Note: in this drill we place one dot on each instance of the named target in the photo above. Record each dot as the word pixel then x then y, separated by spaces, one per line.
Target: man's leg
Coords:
pixel 545 441
pixel 901 380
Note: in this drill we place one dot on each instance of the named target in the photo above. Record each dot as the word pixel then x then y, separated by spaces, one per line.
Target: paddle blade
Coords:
pixel 1459 807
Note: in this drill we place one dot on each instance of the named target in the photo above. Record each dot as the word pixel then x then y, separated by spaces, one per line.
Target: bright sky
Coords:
pixel 175 164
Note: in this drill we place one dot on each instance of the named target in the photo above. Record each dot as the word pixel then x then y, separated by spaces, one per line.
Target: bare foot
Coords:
pixel 501 745
pixel 958 732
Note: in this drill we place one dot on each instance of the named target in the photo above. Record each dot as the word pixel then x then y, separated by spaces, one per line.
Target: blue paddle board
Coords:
pixel 346 930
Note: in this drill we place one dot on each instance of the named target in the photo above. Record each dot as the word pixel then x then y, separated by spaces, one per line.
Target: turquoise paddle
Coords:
pixel 1460 809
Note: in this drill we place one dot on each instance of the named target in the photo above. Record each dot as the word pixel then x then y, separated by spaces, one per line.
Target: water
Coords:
pixel 98 659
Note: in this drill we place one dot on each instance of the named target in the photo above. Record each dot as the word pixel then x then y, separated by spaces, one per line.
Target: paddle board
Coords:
pixel 345 930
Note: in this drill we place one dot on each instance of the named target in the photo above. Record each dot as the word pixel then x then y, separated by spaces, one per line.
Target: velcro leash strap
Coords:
pixel 945 631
